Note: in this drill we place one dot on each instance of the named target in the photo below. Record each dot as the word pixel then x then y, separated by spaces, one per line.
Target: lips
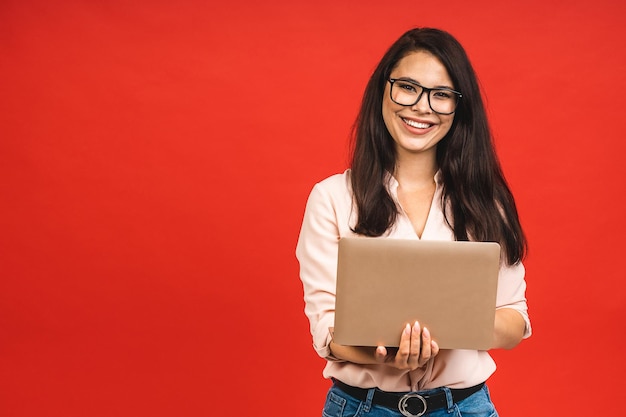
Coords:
pixel 416 124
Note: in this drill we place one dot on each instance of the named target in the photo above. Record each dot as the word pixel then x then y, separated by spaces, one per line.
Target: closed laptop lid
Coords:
pixel 448 286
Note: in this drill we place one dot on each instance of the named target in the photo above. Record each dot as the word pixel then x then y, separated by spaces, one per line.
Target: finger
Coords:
pixel 414 353
pixel 426 347
pixel 434 348
pixel 380 354
pixel 404 349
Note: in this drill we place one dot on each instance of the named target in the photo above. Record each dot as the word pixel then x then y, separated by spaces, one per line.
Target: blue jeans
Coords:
pixel 340 404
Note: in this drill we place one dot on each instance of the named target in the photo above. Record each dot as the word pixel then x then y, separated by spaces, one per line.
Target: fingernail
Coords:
pixel 407 329
pixel 426 332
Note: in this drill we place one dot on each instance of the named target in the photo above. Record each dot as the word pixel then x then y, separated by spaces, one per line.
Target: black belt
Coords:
pixel 409 404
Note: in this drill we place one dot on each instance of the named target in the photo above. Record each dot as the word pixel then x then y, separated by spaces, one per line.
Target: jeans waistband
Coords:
pixel 411 404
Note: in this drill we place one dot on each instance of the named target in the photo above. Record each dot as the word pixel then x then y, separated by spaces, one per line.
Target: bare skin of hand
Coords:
pixel 415 350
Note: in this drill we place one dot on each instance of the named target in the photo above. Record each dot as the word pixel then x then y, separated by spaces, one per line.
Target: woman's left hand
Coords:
pixel 415 350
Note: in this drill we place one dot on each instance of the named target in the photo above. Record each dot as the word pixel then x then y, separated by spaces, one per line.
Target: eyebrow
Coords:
pixel 412 81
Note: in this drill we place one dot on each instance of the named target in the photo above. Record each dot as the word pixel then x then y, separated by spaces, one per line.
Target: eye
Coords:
pixel 406 87
pixel 442 94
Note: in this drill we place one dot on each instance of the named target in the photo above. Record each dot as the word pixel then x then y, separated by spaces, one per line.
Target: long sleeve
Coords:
pixel 512 292
pixel 317 253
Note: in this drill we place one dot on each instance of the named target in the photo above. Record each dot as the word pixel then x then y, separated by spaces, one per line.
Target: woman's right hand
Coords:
pixel 415 350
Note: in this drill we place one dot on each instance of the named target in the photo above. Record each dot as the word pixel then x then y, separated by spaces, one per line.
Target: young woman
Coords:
pixel 423 167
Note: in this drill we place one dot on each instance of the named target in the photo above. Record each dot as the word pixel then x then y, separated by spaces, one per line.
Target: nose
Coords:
pixel 422 105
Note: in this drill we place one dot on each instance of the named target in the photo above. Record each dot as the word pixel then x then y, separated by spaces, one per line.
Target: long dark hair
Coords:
pixel 477 201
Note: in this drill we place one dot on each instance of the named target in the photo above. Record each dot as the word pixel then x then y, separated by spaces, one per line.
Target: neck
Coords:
pixel 416 169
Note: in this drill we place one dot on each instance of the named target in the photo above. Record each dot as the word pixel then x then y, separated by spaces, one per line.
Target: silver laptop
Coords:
pixel 449 287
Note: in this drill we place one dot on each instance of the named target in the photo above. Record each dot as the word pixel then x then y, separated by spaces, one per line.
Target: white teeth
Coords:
pixel 417 124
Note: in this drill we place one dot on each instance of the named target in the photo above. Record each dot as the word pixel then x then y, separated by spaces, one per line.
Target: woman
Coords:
pixel 423 167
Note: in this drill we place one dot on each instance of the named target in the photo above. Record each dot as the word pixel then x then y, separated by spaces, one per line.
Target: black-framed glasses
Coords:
pixel 408 93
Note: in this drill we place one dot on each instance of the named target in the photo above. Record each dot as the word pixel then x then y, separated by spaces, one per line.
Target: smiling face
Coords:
pixel 417 128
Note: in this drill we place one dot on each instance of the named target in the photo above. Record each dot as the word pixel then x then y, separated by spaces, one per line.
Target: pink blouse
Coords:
pixel 328 216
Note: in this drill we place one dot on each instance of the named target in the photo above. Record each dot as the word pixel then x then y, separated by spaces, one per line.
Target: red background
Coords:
pixel 156 156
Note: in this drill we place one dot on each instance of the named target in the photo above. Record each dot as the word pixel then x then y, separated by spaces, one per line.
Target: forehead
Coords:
pixel 422 67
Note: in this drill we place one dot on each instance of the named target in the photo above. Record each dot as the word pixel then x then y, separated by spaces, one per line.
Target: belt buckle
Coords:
pixel 403 405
